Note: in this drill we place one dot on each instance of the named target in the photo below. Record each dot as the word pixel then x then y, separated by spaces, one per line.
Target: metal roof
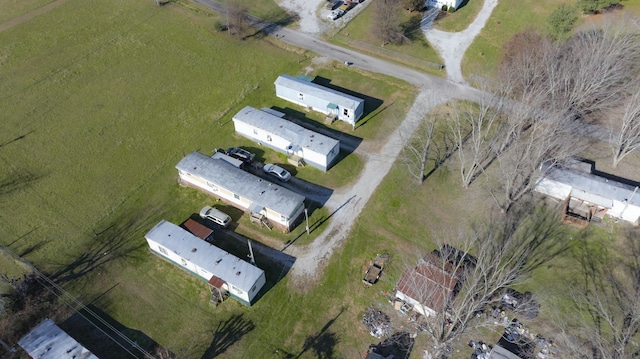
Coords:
pixel 294 133
pixel 216 261
pixel 592 187
pixel 244 184
pixel 319 91
pixel 48 341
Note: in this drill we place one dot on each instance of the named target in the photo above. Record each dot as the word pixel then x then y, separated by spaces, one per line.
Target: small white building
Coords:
pixel 439 3
pixel 240 279
pixel 316 97
pixel 280 206
pixel 269 129
pixel 48 341
pixel 601 195
pixel 429 286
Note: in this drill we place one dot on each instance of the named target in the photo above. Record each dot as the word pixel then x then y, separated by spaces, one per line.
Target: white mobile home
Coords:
pixel 280 206
pixel 48 341
pixel 439 3
pixel 241 279
pixel 605 196
pixel 315 97
pixel 285 136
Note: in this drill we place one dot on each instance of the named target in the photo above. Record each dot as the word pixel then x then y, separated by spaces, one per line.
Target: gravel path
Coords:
pixel 453 45
pixel 346 204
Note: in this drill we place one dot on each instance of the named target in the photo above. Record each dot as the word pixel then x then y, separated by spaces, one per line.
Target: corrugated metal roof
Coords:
pixel 295 134
pixel 262 192
pixel 596 189
pixel 48 341
pixel 214 260
pixel 197 229
pixel 319 91
pixel 428 283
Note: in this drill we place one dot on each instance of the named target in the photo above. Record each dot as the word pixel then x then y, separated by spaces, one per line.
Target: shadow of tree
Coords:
pixel 323 342
pixel 17 180
pixel 226 334
pixel 107 245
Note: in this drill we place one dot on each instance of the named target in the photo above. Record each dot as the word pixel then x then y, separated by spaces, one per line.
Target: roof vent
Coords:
pixel 194 250
pixel 238 273
pixel 311 136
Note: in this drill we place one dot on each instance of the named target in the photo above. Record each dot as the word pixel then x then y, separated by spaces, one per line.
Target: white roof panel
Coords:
pixel 214 260
pixel 259 191
pixel 319 91
pixel 294 133
pixel 48 341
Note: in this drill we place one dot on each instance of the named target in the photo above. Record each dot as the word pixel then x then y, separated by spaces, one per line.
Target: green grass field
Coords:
pixel 15 8
pixel 507 19
pixel 100 101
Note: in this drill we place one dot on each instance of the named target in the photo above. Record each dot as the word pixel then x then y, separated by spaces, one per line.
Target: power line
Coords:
pixel 64 296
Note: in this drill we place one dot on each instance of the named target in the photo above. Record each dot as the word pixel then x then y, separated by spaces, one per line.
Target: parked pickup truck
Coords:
pixel 374 271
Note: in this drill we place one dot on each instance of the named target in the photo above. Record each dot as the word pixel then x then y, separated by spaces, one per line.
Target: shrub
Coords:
pixel 561 20
pixel 444 7
pixel 452 9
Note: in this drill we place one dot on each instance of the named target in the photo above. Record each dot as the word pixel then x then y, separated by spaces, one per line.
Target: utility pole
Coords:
pixel 253 261
pixel 306 216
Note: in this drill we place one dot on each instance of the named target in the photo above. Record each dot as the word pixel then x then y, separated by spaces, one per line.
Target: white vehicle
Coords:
pixel 335 14
pixel 215 215
pixel 277 171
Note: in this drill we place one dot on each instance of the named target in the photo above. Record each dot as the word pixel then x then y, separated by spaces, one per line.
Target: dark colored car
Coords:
pixel 241 154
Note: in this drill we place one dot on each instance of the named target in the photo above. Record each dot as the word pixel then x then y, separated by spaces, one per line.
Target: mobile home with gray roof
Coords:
pixel 241 279
pixel 316 97
pixel 267 129
pixel 248 192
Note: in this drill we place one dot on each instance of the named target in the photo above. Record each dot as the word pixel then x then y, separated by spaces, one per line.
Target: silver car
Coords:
pixel 215 215
pixel 277 171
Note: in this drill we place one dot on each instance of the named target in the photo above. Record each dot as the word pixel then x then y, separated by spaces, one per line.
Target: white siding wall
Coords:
pixel 178 260
pixel 438 3
pixel 417 306
pixel 554 189
pixel 261 136
pixel 242 203
pixel 629 213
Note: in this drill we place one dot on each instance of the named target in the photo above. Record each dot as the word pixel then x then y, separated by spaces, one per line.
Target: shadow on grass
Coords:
pixel 324 342
pixel 103 335
pixel 275 263
pixel 315 225
pixel 111 243
pixel 348 143
pixel 370 103
pixel 17 180
pixel 226 334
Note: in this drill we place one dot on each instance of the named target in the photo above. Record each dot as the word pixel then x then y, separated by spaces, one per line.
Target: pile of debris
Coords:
pixel 378 323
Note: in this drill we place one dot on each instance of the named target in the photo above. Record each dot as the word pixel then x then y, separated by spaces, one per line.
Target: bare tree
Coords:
pixel 595 68
pixel 474 129
pixel 416 153
pixel 605 318
pixel 237 22
pixel 506 252
pixel 626 131
pixel 386 21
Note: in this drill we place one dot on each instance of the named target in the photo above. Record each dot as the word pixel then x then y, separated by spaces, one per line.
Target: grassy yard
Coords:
pixel 100 101
pixel 508 18
pixel 459 20
pixel 14 8
pixel 418 53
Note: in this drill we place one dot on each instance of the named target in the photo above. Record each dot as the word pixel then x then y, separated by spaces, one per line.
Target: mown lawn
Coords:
pixel 416 52
pixel 14 8
pixel 507 19
pixel 460 19
pixel 100 101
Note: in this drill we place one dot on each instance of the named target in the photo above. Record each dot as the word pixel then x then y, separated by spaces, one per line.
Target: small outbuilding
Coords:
pixel 336 105
pixel 242 280
pixel 261 198
pixel 199 230
pixel 48 341
pixel 429 286
pixel 284 136
pixel 590 196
